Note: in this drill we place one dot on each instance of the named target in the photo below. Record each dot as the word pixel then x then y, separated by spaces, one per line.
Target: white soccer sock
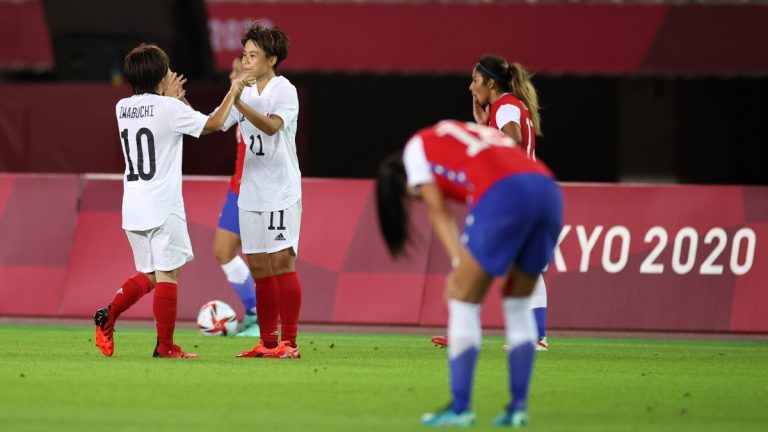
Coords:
pixel 464 329
pixel 236 270
pixel 519 321
pixel 539 296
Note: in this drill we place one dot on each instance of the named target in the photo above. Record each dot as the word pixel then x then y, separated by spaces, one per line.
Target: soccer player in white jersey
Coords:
pixel 270 192
pixel 151 128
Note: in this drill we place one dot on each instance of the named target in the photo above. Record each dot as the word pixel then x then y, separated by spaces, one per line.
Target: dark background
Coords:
pixel 596 129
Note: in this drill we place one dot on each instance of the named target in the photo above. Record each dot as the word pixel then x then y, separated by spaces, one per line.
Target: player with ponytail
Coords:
pixel 504 98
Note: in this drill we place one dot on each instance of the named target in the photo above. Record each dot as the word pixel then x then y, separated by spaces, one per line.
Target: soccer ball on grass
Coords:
pixel 217 318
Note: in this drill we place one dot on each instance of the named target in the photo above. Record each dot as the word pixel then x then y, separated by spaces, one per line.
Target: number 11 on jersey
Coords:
pixel 261 146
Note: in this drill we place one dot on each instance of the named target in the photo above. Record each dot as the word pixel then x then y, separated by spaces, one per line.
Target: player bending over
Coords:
pixel 514 219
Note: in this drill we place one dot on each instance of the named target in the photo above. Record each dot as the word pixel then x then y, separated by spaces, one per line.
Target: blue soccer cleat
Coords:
pixel 447 417
pixel 516 419
pixel 249 327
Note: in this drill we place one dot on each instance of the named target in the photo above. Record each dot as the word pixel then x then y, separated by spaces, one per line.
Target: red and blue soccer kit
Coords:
pixel 229 218
pixel 515 212
pixel 507 109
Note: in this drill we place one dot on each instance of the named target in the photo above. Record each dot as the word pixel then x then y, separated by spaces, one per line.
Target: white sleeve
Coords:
pixel 507 113
pixel 416 165
pixel 286 105
pixel 184 120
pixel 230 120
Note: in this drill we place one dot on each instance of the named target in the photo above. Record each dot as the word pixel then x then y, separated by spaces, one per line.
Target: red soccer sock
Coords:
pixel 134 288
pixel 290 305
pixel 268 309
pixel 164 309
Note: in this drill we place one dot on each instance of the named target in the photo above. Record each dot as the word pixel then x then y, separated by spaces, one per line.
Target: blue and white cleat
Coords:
pixel 516 419
pixel 448 418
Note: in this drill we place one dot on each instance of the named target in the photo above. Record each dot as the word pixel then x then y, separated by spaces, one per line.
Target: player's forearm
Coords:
pixel 264 123
pixel 216 121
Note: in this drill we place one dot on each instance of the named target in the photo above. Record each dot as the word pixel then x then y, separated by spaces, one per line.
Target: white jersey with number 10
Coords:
pixel 151 129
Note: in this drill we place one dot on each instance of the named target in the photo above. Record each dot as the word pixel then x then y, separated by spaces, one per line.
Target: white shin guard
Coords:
pixel 236 270
pixel 519 321
pixel 464 329
pixel 539 295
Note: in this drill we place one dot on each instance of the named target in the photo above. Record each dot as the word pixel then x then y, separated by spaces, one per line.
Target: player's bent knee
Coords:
pixel 259 265
pixel 463 295
pixel 152 278
pixel 224 255
pixel 283 261
pixel 467 289
pixel 171 276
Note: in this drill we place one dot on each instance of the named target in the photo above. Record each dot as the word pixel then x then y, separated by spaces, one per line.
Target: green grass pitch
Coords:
pixel 54 379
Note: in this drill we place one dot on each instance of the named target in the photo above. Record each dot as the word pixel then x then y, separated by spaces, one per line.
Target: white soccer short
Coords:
pixel 164 248
pixel 269 232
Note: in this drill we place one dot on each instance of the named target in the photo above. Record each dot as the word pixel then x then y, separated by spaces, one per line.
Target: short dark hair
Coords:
pixel 145 67
pixel 391 203
pixel 271 40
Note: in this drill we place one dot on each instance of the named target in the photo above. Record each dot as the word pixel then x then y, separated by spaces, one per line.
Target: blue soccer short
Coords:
pixel 516 222
pixel 229 219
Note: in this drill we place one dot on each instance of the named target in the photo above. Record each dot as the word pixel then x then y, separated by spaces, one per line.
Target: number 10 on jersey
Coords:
pixel 143 135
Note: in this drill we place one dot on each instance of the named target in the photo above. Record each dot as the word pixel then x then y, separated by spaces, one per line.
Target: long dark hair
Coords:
pixel 390 202
pixel 512 78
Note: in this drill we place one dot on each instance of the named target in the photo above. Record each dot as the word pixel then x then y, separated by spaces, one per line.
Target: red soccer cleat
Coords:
pixel 284 351
pixel 440 341
pixel 259 351
pixel 105 329
pixel 174 351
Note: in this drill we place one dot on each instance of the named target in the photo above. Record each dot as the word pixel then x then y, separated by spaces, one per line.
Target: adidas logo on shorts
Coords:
pixel 280 237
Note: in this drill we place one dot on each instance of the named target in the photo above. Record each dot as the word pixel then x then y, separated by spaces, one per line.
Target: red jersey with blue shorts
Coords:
pixel 229 218
pixel 508 109
pixel 515 210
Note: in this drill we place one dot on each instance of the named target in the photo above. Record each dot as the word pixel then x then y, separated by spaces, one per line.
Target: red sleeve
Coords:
pixel 238 176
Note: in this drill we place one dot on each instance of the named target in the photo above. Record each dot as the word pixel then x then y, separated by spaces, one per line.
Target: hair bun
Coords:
pixel 509 71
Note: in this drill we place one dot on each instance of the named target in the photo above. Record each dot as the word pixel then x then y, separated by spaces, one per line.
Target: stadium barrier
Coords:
pixel 631 257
